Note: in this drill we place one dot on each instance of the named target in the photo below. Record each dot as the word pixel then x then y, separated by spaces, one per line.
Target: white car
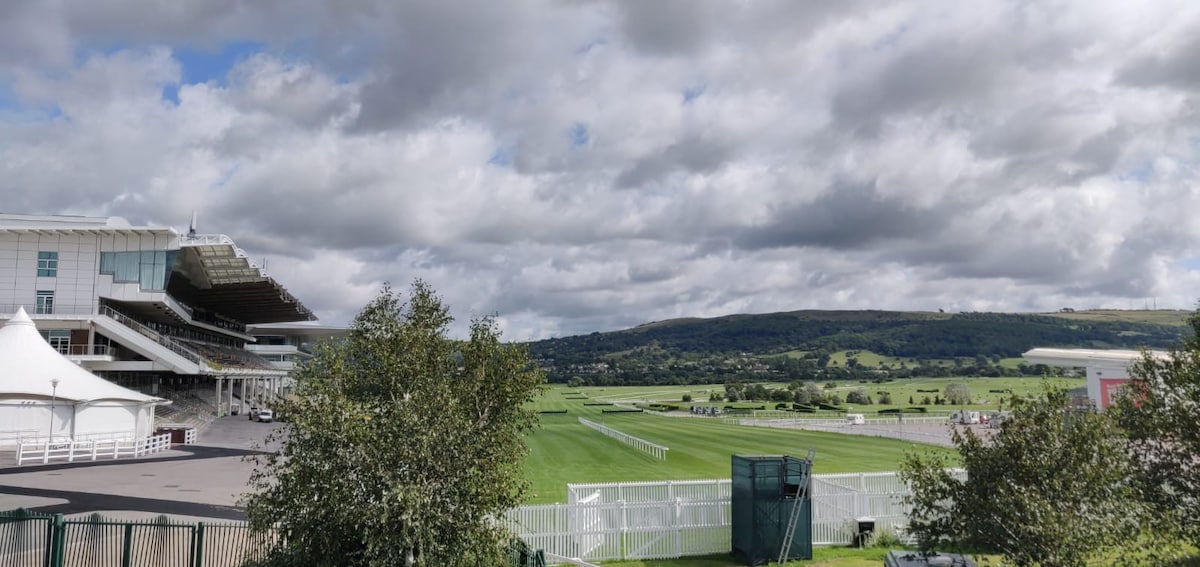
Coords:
pixel 264 416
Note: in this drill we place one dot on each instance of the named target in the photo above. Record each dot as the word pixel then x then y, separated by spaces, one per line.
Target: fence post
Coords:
pixel 198 544
pixel 57 541
pixel 127 546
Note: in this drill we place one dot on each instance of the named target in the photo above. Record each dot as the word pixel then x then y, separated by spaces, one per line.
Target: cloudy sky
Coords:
pixel 575 166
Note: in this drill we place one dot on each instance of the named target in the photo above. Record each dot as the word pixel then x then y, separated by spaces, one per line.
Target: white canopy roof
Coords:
pixel 28 364
pixel 1071 357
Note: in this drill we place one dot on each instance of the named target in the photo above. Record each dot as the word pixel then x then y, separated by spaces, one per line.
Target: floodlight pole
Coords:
pixel 53 401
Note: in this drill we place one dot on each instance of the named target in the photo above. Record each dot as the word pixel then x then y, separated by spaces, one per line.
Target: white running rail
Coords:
pixel 91 450
pixel 655 450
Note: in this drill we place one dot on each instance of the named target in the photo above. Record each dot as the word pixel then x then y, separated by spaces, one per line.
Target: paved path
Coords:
pixel 204 480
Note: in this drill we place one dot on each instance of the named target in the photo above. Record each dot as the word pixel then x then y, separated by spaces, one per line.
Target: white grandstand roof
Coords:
pixel 48 224
pixel 28 364
pixel 1073 357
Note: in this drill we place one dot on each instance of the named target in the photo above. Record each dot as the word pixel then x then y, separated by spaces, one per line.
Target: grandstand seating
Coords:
pixel 223 356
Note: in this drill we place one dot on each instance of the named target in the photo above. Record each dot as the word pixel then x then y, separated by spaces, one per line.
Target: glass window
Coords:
pixel 45 302
pixel 47 264
pixel 60 339
pixel 149 268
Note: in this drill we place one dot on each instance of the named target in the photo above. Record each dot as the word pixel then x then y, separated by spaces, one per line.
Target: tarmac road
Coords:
pixel 203 480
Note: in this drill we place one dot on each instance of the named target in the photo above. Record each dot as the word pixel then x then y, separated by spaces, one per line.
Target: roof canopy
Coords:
pixel 28 364
pixel 1072 357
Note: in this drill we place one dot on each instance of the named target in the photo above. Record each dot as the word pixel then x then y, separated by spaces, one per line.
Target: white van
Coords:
pixel 965 417
pixel 855 419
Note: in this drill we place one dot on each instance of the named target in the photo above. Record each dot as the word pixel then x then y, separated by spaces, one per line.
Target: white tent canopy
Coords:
pixel 42 394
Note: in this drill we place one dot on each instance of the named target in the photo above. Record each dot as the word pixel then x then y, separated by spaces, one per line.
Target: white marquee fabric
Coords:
pixel 84 406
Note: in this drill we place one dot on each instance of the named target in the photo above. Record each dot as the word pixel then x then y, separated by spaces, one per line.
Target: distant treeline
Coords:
pixel 749 347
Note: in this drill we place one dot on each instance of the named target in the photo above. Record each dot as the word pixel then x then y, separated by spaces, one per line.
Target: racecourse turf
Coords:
pixel 564 451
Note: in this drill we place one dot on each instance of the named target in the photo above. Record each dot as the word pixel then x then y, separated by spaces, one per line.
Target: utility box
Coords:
pixel 764 493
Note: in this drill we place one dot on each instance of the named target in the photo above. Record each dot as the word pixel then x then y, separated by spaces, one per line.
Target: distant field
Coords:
pixel 875 360
pixel 901 390
pixel 1155 316
pixel 563 451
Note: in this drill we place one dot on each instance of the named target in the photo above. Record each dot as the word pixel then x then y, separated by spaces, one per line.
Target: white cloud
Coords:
pixel 585 166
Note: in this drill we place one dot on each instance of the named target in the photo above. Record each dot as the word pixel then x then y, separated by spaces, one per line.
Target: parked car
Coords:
pixel 265 416
pixel 855 419
pixel 253 413
pixel 998 419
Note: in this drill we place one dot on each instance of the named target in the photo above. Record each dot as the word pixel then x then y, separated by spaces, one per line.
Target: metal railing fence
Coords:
pixel 654 449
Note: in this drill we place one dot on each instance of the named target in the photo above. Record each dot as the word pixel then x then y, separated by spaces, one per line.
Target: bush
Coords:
pixel 687 397
pixel 885 537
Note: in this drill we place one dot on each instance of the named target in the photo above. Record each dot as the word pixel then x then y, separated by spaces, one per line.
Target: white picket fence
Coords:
pixel 90 450
pixel 654 449
pixel 661 520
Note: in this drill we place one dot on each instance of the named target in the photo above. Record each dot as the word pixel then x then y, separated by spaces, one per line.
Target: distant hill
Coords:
pixel 665 350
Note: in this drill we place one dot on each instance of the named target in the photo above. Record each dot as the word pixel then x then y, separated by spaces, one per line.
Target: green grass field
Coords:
pixel 901 390
pixel 563 451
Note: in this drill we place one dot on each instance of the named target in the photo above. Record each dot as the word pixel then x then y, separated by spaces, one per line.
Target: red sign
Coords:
pixel 1109 388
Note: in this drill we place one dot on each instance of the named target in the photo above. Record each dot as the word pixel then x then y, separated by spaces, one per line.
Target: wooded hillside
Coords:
pixel 797 345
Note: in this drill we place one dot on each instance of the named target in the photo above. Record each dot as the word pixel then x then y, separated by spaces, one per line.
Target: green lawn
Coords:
pixel 563 451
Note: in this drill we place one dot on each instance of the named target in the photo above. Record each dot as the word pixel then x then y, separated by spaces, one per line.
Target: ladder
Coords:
pixel 789 533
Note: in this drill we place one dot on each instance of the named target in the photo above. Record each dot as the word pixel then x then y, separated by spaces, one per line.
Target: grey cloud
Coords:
pixel 693 154
pixel 847 216
pixel 1179 68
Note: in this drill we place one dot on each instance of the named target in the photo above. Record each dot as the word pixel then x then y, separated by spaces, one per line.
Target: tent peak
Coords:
pixel 20 318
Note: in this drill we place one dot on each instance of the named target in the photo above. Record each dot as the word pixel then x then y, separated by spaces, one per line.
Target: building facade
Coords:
pixel 150 308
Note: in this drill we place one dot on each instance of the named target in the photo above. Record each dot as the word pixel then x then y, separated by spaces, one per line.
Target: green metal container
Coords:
pixel 764 492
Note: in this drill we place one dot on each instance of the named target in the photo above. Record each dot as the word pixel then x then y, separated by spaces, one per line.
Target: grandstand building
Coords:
pixel 1107 370
pixel 150 308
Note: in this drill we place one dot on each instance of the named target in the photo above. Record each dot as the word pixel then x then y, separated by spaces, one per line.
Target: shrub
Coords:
pixel 687 397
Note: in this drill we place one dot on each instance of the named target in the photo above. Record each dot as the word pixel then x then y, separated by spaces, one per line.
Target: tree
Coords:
pixel 958 394
pixel 1048 489
pixel 857 396
pixel 1159 412
pixel 886 399
pixel 815 394
pixel 401 444
pixel 687 397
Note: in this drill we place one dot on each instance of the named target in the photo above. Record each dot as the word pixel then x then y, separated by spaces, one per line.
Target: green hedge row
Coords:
pixel 597 403
pixel 894 411
pixel 621 411
pixel 544 412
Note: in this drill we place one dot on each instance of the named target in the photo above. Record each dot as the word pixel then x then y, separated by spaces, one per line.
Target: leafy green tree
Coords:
pixel 1050 488
pixel 885 398
pixel 958 394
pixel 687 397
pixel 1160 411
pixel 401 444
pixel 857 396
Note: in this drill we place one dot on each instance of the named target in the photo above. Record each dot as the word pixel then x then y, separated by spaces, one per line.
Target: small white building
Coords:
pixel 44 395
pixel 1107 370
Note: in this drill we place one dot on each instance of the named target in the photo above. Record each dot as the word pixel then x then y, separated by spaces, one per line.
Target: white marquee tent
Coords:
pixel 43 394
